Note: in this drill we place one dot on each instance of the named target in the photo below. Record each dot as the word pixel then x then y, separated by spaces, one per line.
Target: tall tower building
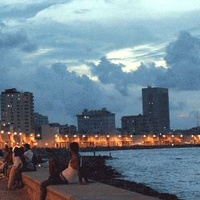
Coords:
pixel 17 109
pixel 155 103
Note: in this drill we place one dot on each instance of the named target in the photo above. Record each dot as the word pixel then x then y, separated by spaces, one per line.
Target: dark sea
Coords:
pixel 171 170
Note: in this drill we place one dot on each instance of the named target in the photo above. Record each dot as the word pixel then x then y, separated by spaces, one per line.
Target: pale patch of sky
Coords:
pixel 82 70
pixel 131 57
pixel 39 52
pixel 169 6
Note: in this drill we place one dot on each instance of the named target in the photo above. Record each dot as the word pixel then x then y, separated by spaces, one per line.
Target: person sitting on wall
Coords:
pixel 30 156
pixel 67 176
pixel 17 165
pixel 7 161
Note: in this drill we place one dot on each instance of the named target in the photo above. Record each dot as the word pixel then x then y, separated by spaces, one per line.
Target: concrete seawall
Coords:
pixel 92 191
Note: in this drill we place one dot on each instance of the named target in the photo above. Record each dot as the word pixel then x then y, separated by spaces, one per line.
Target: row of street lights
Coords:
pixel 16 138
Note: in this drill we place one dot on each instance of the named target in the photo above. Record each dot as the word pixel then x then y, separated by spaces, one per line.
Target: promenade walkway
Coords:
pixel 91 193
pixel 19 194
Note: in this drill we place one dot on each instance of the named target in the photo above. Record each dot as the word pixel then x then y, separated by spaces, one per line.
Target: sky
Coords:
pixel 93 54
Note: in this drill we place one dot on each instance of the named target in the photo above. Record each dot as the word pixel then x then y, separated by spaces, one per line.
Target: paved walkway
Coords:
pixel 18 194
pixel 111 192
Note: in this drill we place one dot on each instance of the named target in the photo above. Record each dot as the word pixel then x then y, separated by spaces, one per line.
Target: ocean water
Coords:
pixel 171 170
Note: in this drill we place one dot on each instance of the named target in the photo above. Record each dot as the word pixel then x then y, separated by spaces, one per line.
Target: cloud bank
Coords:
pixel 73 56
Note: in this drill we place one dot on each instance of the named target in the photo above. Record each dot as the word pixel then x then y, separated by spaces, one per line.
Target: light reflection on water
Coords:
pixel 170 170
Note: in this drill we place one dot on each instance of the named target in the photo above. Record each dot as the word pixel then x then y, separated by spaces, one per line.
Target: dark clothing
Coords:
pixel 7 160
pixel 8 157
pixel 1 153
pixel 81 171
pixel 55 177
pixel 55 180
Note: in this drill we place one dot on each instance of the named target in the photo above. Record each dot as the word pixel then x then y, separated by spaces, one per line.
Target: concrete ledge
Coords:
pixel 58 192
pixel 94 191
pixel 32 181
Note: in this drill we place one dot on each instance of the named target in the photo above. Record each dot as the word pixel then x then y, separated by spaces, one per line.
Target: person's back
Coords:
pixel 30 158
pixel 28 152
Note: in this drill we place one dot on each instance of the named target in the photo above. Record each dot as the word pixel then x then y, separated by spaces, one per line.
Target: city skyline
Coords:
pixel 153 95
pixel 74 55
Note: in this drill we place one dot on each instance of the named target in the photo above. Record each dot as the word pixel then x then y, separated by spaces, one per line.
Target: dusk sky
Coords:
pixel 77 54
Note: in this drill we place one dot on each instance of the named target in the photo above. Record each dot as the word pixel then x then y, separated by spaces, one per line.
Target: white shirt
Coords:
pixel 70 174
pixel 29 154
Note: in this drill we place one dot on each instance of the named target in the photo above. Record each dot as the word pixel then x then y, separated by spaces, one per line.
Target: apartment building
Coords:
pixel 17 109
pixel 134 124
pixel 96 121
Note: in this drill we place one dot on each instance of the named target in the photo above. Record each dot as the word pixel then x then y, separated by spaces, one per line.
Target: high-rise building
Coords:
pixel 96 121
pixel 155 102
pixel 17 109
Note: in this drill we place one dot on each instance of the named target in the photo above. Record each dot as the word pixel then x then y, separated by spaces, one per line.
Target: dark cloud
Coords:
pixel 61 94
pixel 66 94
pixel 183 62
pixel 2 25
pixel 183 59
pixel 11 40
pixel 22 10
pixel 183 72
pixel 19 39
pixel 109 73
pixel 184 51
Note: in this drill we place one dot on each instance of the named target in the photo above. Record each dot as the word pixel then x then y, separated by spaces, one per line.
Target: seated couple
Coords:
pixel 72 174
pixel 22 161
